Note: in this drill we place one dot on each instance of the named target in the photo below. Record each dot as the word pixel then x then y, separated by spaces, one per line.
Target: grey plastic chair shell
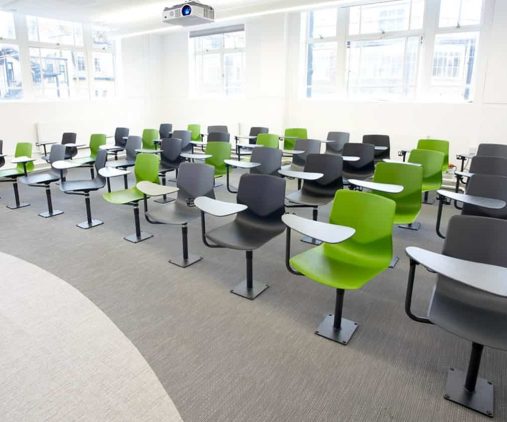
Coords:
pixel 186 137
pixel 256 130
pixel 98 182
pixel 165 130
pixel 340 138
pixel 218 137
pixel 488 186
pixel 270 160
pixel 119 134
pixel 2 159
pixel 69 138
pixel 309 146
pixel 170 155
pixel 492 150
pixel 489 165
pixel 218 128
pixel 363 168
pixel 380 141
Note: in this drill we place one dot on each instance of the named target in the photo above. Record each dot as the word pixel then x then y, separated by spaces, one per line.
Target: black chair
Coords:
pixel 194 180
pixel 379 141
pixel 259 208
pixel 340 139
pixel 44 180
pixel 165 130
pixel 120 141
pixel 309 146
pixel 362 169
pixel 84 187
pixel 492 150
pixel 2 156
pixel 186 137
pixel 256 130
pixel 270 160
pixel 133 143
pixel 219 137
pixel 468 300
pixel 218 128
pixel 170 160
pixel 69 138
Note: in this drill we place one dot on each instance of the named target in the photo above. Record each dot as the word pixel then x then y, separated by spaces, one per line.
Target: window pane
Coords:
pixel 322 23
pixel 233 73
pixel 383 67
pixel 234 40
pixel 50 72
pixel 54 31
pixel 455 13
pixel 7 25
pixel 453 65
pixel 321 76
pixel 100 37
pixel 103 74
pixel 10 73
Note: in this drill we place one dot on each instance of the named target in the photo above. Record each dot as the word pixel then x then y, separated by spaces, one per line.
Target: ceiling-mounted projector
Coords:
pixel 189 13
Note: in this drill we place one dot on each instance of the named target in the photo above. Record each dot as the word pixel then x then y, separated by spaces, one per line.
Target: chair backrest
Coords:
pixel 372 217
pixel 149 136
pixel 133 143
pixel 366 154
pixel 165 130
pixel 69 138
pixel 468 312
pixel 24 149
pixel 379 141
pixel 409 200
pixel 185 136
pixel 488 186
pixel 218 137
pixel 431 162
pixel 195 130
pixel 218 128
pixel 100 162
pixel 194 180
pixel 489 165
pixel 257 130
pixel 436 145
pixel 119 134
pixel 171 150
pixel 146 168
pixel 309 146
pixel 264 196
pixel 492 150
pixel 96 140
pixel 340 138
pixel 219 151
pixel 57 153
pixel 269 140
pixel 331 166
pixel 293 134
pixel 270 160
pixel 2 159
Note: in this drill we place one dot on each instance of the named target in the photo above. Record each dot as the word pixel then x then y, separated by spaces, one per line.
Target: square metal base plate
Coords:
pixel 85 225
pixel 22 205
pixel 46 214
pixel 414 226
pixel 134 239
pixel 164 201
pixel 481 400
pixel 184 263
pixel 311 240
pixel 343 335
pixel 256 290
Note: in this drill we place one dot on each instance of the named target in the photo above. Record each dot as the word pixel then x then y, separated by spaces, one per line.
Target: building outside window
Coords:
pixel 11 86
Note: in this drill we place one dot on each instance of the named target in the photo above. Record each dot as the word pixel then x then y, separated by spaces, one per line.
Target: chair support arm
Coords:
pixel 287 253
pixel 408 297
pixel 203 232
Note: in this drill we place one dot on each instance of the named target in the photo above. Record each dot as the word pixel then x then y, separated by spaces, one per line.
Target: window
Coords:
pixel 7 30
pixel 456 13
pixel 10 73
pixel 103 74
pixel 218 61
pixel 54 31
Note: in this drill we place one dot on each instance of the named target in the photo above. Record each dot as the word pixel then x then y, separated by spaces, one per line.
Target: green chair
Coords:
pixel 269 140
pixel 431 162
pixel 23 149
pixel 436 145
pixel 96 140
pixel 408 201
pixel 149 137
pixel 351 264
pixel 219 151
pixel 293 134
pixel 195 131
pixel 145 169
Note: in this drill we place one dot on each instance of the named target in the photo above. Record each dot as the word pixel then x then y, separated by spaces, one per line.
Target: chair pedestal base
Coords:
pixel 310 240
pixel 184 263
pixel 394 261
pixel 134 238
pixel 412 226
pixel 20 205
pixel 164 200
pixel 242 290
pixel 343 335
pixel 47 214
pixel 481 400
pixel 86 225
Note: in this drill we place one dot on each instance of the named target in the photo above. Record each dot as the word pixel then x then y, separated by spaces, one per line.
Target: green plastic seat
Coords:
pixel 23 149
pixel 146 169
pixel 195 132
pixel 219 151
pixel 269 140
pixel 295 133
pixel 353 263
pixel 439 145
pixel 96 140
pixel 149 137
pixel 408 202
pixel 431 162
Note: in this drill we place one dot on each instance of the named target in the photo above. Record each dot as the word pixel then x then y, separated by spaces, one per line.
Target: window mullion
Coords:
pixel 341 56
pixel 431 16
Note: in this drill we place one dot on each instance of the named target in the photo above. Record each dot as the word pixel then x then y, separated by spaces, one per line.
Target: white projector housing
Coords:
pixel 189 13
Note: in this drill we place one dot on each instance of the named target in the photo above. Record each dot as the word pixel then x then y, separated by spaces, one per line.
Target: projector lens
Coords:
pixel 186 10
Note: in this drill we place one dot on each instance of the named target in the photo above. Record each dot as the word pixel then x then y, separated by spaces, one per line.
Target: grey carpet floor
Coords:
pixel 224 358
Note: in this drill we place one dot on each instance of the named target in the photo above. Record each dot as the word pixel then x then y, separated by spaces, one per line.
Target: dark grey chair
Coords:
pixel 194 180
pixel 170 160
pixel 69 138
pixel 218 128
pixel 379 141
pixel 84 187
pixel 468 300
pixel 133 143
pixel 309 146
pixel 218 137
pixel 120 142
pixel 489 165
pixel 186 137
pixel 256 130
pixel 362 169
pixel 340 138
pixel 492 150
pixel 260 222
pixel 270 160
pixel 2 156
pixel 165 130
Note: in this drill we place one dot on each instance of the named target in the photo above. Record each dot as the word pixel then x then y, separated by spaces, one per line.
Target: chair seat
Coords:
pixel 38 178
pixel 340 269
pixel 11 173
pixel 302 198
pixel 243 236
pixel 175 213
pixel 81 185
pixel 124 196
pixel 121 163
